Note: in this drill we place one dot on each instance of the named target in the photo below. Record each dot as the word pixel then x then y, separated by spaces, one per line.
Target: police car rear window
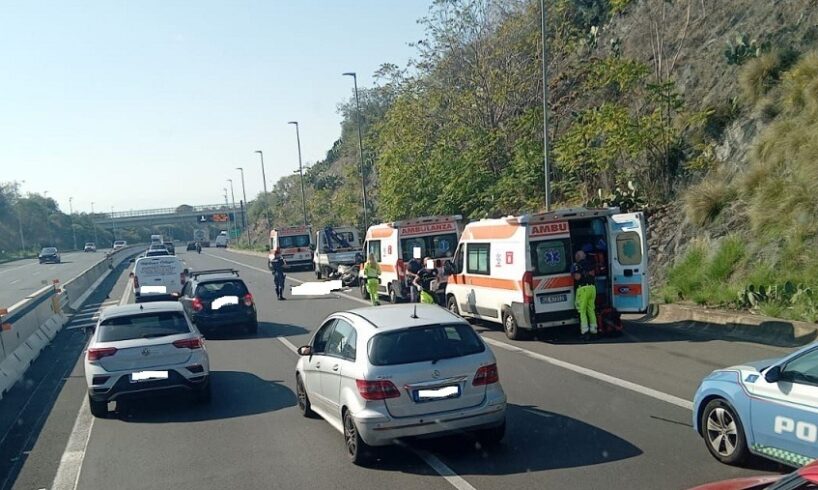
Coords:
pixel 420 344
pixel 145 325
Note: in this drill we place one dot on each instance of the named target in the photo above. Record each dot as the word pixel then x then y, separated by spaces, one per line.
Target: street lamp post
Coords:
pixel 244 195
pixel 263 175
pixel 545 112
pixel 94 224
pixel 113 223
pixel 20 224
pixel 360 146
pixel 233 197
pixel 71 220
pixel 300 172
pixel 227 205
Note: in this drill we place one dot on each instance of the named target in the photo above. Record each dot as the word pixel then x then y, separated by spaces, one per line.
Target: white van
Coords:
pixel 158 278
pixel 295 244
pixel 394 244
pixel 517 270
pixel 222 240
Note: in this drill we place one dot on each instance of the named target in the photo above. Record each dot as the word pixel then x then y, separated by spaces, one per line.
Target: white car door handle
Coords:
pixel 335 367
pixel 317 365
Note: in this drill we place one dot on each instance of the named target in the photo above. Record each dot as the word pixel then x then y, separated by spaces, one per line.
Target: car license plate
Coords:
pixel 443 393
pixel 224 301
pixel 547 299
pixel 148 376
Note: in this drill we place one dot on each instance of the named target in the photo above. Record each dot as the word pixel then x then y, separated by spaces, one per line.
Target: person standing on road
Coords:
pixel 279 277
pixel 412 268
pixel 372 272
pixel 423 281
pixel 583 273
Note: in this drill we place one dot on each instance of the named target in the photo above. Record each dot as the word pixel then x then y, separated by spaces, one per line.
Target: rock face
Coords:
pixel 668 235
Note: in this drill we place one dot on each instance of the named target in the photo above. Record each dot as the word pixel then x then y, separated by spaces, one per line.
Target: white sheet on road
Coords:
pixel 317 288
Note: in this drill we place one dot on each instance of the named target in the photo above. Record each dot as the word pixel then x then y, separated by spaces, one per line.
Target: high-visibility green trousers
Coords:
pixel 372 289
pixel 427 298
pixel 586 306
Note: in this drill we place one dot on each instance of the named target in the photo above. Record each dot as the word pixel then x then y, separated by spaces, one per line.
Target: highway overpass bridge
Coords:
pixel 208 214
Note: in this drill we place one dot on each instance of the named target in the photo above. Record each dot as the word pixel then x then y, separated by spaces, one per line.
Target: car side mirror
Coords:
pixel 773 374
pixel 305 350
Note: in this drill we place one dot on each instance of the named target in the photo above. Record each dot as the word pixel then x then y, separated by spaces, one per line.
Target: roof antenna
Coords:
pixel 141 307
pixel 414 311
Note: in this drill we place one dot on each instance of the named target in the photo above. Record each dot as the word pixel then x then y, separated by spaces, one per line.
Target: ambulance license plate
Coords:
pixel 547 299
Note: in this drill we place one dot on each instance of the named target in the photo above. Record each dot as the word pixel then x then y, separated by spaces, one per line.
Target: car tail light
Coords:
pixel 97 353
pixel 194 343
pixel 135 282
pixel 248 299
pixel 486 375
pixel 401 269
pixel 197 304
pixel 528 288
pixel 377 390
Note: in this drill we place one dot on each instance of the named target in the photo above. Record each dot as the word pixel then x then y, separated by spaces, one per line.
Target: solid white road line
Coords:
pixel 644 390
pixel 447 473
pixel 288 344
pixel 68 473
pixel 15 282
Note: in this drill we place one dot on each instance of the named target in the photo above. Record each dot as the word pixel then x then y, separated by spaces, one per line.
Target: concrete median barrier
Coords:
pixel 31 324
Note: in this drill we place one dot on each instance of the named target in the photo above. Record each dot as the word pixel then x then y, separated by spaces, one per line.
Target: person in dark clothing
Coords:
pixel 583 273
pixel 423 281
pixel 277 265
pixel 413 267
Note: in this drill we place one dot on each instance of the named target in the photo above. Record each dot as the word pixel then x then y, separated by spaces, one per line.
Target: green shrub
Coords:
pixel 758 76
pixel 704 201
pixel 726 258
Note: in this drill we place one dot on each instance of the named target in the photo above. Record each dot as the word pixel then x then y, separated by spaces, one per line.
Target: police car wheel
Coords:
pixel 723 433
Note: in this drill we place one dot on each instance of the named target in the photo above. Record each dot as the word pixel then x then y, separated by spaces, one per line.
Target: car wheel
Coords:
pixel 98 409
pixel 393 296
pixel 304 404
pixel 493 436
pixel 512 329
pixel 451 304
pixel 357 450
pixel 723 433
pixel 364 292
pixel 252 329
pixel 204 394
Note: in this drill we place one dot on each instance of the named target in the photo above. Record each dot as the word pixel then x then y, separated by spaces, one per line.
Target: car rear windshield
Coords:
pixel 294 241
pixel 49 250
pixel 419 344
pixel 217 289
pixel 143 326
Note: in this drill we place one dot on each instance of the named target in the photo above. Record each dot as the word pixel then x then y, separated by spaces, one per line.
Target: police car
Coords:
pixel 768 408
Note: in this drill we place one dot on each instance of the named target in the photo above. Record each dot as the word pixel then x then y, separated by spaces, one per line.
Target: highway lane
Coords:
pixel 566 429
pixel 23 277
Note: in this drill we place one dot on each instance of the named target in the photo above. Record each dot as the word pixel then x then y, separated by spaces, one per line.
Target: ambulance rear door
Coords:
pixel 629 262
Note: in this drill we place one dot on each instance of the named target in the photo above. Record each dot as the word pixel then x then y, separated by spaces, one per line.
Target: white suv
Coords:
pixel 141 348
pixel 384 373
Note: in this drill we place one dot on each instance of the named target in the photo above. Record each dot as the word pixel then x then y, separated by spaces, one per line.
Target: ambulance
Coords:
pixel 295 243
pixel 516 271
pixel 394 244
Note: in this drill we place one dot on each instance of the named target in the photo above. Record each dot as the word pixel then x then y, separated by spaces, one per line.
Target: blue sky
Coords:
pixel 153 103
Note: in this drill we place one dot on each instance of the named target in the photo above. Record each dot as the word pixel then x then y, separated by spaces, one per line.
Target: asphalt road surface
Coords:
pixel 23 277
pixel 612 414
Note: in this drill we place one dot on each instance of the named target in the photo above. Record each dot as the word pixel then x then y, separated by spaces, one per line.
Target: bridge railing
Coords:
pixel 165 211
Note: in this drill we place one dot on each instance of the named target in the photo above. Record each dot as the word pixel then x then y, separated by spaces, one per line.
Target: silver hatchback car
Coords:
pixel 384 373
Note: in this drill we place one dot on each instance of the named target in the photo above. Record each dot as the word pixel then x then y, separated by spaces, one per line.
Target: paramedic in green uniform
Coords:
pixel 583 272
pixel 372 272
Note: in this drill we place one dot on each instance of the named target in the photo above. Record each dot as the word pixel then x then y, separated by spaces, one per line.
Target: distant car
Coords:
pixel 222 240
pixel 766 408
pixel 120 244
pixel 90 247
pixel 158 278
pixel 191 246
pixel 49 255
pixel 219 300
pixel 170 247
pixel 140 349
pixel 383 373
pixel 801 479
